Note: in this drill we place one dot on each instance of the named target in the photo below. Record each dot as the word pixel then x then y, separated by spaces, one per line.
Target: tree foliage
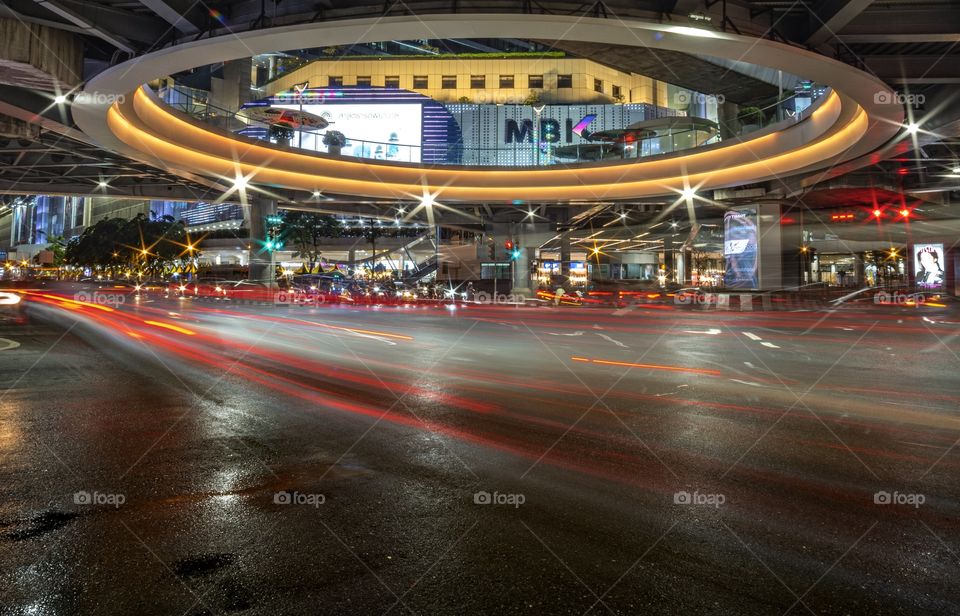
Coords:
pixel 305 232
pixel 147 243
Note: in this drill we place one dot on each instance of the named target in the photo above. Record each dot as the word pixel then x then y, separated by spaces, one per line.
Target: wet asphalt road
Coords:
pixel 173 457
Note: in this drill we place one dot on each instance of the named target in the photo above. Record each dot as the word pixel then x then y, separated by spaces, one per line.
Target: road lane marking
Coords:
pixel 623 311
pixel 10 344
pixel 573 334
pixel 709 332
pixel 752 336
pixel 770 345
pixel 750 383
pixel 609 339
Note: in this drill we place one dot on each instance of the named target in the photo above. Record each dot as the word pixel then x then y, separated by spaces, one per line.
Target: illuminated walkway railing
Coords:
pixel 749 120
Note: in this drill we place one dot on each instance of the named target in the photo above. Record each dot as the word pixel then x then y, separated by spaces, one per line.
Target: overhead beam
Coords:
pixel 915 69
pixel 879 37
pixel 172 16
pixel 841 13
pixel 88 26
pixel 6 11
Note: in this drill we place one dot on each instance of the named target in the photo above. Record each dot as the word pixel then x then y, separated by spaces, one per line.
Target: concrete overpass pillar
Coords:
pixel 563 217
pixel 521 272
pixel 260 259
pixel 727 118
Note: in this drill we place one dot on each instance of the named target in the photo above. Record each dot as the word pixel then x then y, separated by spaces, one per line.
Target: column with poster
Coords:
pixel 740 249
pixel 928 263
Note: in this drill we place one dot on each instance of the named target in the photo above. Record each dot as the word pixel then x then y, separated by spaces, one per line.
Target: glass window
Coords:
pixel 616 92
pixel 364 81
pixel 420 82
pixel 535 81
pixel 392 81
pixel 334 82
pixel 564 81
pixel 448 82
pixel 478 82
pixel 598 85
pixel 506 81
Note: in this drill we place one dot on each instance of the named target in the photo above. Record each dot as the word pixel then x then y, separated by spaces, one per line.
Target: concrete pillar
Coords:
pixel 727 118
pixel 563 216
pixel 669 261
pixel 260 259
pixel 859 269
pixel 232 90
pixel 521 273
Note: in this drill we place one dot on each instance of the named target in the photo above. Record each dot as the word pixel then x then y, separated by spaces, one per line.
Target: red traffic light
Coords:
pixel 508 245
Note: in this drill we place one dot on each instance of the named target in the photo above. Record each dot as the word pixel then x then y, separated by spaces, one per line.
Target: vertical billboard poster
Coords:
pixel 740 250
pixel 928 265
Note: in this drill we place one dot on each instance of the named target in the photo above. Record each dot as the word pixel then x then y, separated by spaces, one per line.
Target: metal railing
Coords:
pixel 749 120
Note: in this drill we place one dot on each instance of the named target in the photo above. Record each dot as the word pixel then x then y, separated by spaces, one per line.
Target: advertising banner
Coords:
pixel 740 249
pixel 928 265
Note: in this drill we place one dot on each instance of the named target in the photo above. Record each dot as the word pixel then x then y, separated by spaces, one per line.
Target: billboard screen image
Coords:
pixel 740 249
pixel 382 132
pixel 928 265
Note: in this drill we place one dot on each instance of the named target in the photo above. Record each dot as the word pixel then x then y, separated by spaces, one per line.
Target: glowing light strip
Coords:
pixel 451 181
pixel 607 362
pixel 180 330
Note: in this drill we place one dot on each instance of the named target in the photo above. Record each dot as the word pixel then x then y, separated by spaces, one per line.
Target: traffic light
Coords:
pixel 508 244
pixel 272 240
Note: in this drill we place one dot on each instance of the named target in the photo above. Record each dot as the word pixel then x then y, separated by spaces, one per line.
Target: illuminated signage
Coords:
pixel 522 132
pixel 842 217
pixel 928 265
pixel 740 249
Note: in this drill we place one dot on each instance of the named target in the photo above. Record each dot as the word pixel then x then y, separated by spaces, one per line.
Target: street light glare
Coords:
pixel 913 128
pixel 60 99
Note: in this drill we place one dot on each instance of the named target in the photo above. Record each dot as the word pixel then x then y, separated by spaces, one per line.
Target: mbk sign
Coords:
pixel 522 132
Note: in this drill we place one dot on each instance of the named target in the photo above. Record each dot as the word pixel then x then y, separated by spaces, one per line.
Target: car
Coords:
pixel 249 290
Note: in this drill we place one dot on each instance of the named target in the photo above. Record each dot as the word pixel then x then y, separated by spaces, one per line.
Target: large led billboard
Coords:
pixel 740 250
pixel 928 265
pixel 383 132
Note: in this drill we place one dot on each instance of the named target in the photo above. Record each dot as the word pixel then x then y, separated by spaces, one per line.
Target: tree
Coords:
pixel 533 99
pixel 112 245
pixel 305 231
pixel 750 115
pixel 281 135
pixel 334 140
